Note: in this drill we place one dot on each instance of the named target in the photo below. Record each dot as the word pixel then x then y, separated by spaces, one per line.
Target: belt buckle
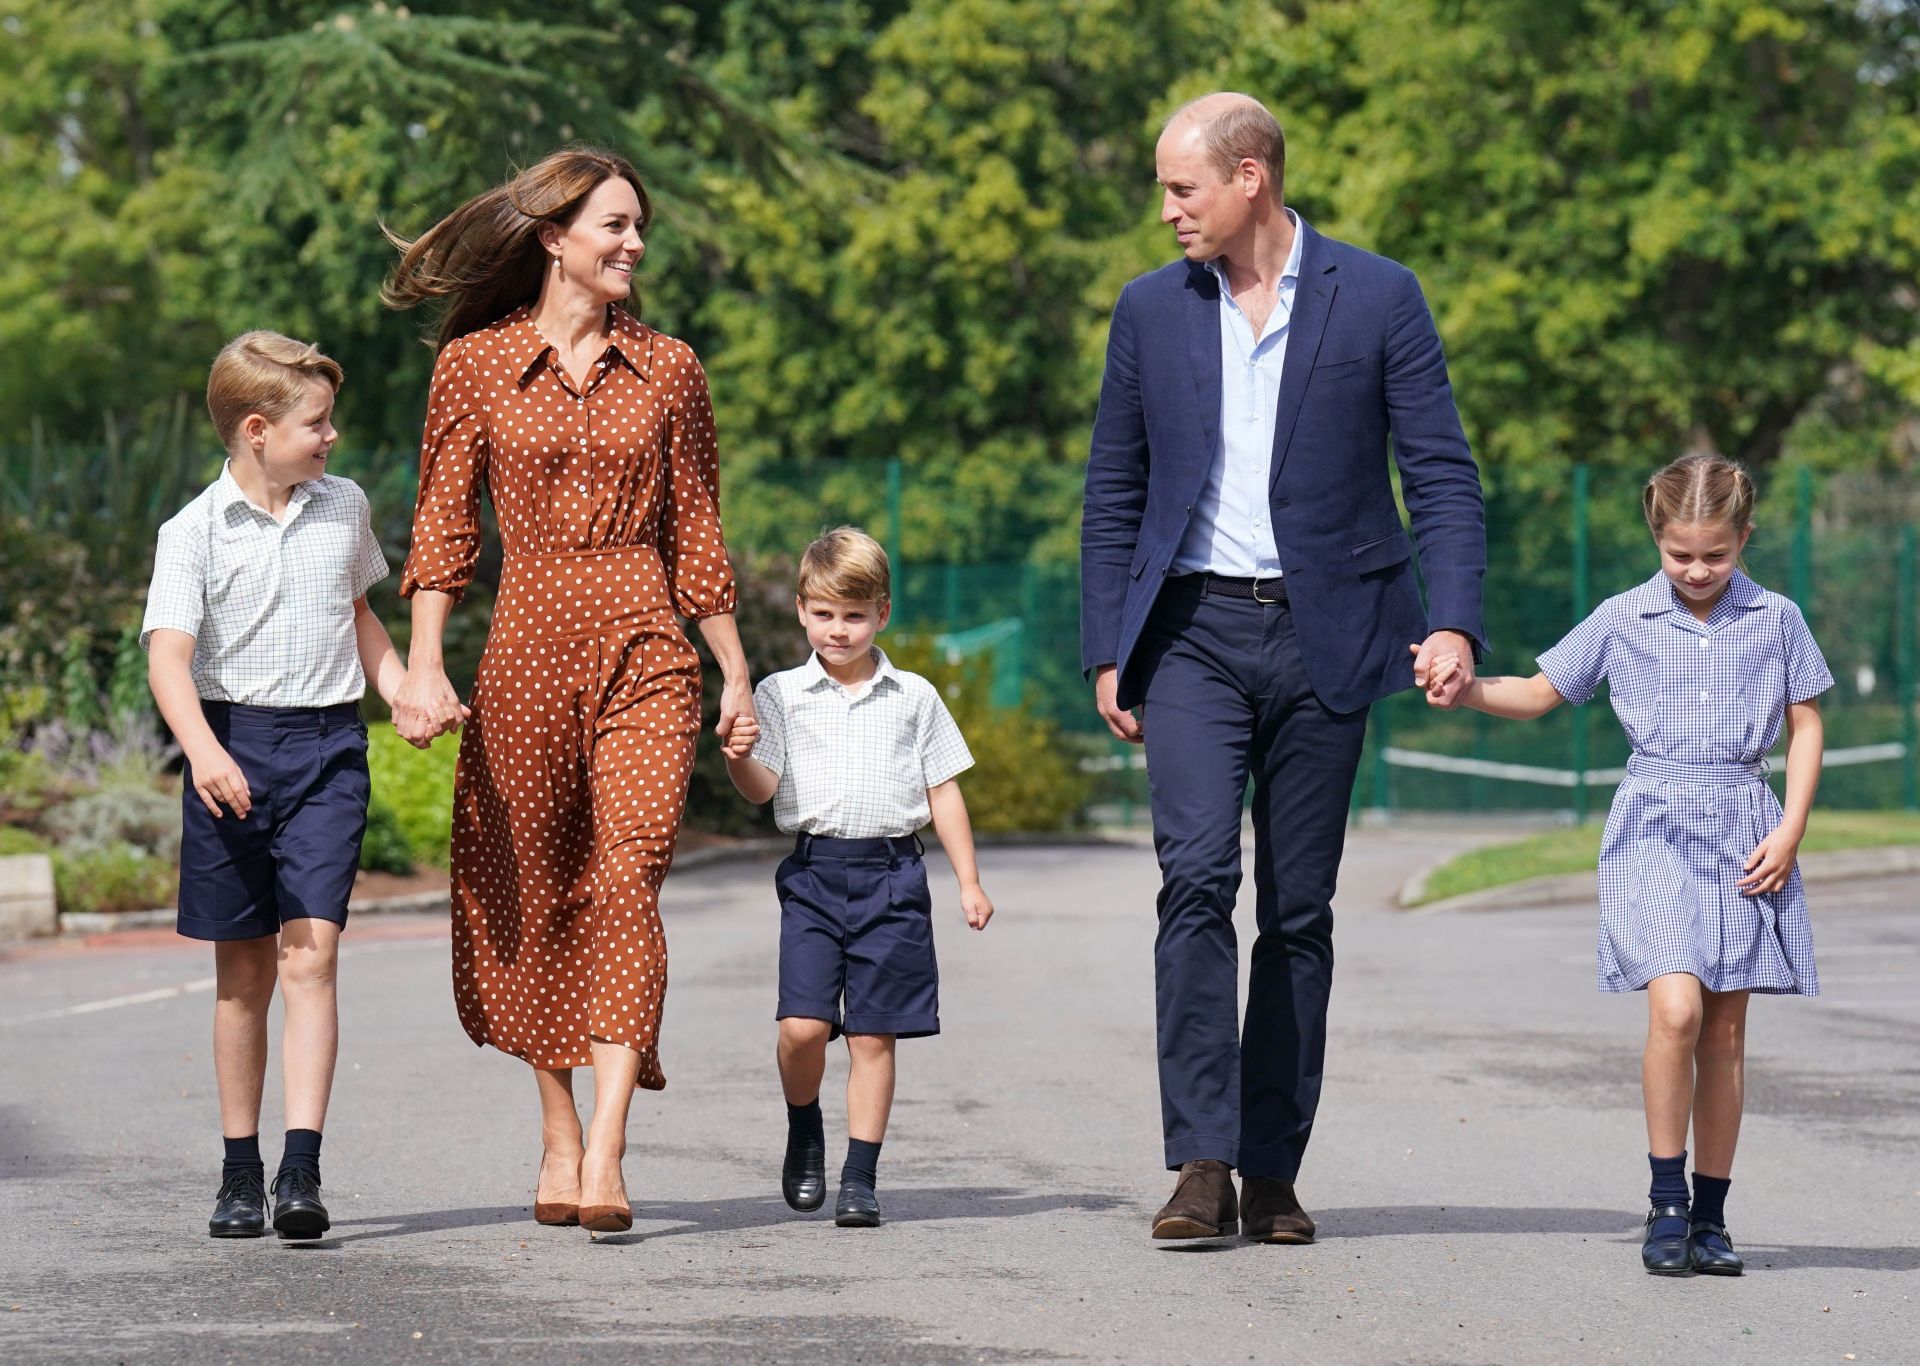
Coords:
pixel 1270 602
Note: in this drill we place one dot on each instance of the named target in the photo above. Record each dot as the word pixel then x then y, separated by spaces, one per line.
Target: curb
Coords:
pixel 1827 866
pixel 84 923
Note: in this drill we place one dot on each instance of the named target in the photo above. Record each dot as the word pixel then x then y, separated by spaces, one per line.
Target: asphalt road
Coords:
pixel 1477 1172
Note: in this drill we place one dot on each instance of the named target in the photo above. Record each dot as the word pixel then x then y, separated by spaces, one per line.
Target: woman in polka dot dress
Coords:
pixel 593 436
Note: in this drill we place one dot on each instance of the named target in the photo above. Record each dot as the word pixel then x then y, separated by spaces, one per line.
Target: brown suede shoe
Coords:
pixel 1204 1204
pixel 1273 1214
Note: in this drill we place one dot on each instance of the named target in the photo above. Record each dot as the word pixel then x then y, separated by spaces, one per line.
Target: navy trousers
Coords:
pixel 1227 700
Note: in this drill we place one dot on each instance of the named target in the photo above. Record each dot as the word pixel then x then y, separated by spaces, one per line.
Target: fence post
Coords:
pixel 1582 590
pixel 893 519
pixel 1905 619
pixel 1802 574
pixel 1382 737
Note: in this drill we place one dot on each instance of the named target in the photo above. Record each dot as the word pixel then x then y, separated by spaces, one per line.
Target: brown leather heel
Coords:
pixel 560 1213
pixel 606 1218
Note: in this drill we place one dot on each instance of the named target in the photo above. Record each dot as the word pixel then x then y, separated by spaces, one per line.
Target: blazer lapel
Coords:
pixel 1312 303
pixel 1203 346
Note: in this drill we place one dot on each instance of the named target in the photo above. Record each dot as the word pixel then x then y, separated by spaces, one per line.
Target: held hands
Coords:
pixel 217 778
pixel 738 743
pixel 978 910
pixel 737 728
pixel 1771 863
pixel 426 707
pixel 1443 665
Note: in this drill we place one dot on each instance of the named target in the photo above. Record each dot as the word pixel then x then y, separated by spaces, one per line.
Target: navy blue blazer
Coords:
pixel 1363 361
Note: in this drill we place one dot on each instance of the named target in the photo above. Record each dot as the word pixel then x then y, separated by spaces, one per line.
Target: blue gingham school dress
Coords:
pixel 1702 703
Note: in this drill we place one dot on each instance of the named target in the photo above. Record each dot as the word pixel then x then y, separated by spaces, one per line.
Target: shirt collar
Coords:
pixel 814 673
pixel 1656 595
pixel 629 341
pixel 1289 273
pixel 227 492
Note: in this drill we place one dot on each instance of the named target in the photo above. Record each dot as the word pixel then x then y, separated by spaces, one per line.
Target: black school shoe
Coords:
pixel 857 1207
pixel 297 1211
pixel 1711 1251
pixel 803 1176
pixel 1667 1254
pixel 240 1210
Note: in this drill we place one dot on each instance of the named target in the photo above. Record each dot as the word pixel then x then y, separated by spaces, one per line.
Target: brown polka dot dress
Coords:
pixel 573 770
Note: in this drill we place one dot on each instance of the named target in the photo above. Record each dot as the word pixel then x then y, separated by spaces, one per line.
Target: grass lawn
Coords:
pixel 1575 849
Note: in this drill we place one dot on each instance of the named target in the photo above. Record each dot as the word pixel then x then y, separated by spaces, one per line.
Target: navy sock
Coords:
pixel 1710 1198
pixel 863 1164
pixel 1669 1188
pixel 302 1152
pixel 804 1124
pixel 242 1154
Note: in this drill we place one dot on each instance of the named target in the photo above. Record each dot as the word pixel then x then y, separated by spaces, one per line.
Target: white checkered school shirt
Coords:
pixel 855 765
pixel 269 604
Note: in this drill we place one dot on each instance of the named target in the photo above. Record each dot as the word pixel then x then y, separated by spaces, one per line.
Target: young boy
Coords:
pixel 259 644
pixel 856 756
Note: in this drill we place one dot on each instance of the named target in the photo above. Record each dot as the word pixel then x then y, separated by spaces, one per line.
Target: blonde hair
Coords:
pixel 1708 490
pixel 264 373
pixel 844 565
pixel 1237 128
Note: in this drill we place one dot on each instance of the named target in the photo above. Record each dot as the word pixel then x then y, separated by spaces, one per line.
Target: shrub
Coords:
pixel 417 787
pixel 14 840
pixel 117 878
pixel 142 818
pixel 1024 778
pixel 386 848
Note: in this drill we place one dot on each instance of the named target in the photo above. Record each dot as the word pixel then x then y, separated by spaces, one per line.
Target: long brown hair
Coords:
pixel 1706 490
pixel 485 258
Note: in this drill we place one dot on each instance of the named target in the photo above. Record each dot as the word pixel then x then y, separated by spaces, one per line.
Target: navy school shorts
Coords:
pixel 856 926
pixel 295 853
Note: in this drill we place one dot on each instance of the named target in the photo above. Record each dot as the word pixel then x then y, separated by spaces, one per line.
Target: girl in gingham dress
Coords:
pixel 1700 897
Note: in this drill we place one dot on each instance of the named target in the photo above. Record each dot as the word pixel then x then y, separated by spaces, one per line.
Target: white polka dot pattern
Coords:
pixel 573 771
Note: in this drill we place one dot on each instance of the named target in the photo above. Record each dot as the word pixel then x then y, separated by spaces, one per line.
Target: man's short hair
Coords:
pixel 264 373
pixel 1240 129
pixel 844 565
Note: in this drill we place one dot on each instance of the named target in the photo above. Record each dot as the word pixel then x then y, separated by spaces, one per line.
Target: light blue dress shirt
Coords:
pixel 1231 532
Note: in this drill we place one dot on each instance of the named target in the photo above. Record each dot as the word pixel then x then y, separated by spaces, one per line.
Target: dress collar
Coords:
pixel 1656 595
pixel 629 341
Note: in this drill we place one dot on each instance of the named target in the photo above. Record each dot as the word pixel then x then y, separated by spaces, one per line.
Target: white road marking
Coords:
pixel 138 998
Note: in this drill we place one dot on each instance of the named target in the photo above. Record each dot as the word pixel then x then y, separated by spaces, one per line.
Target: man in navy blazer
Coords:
pixel 1247 583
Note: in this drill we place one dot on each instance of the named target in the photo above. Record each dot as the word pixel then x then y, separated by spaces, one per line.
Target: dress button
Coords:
pixel 1703 694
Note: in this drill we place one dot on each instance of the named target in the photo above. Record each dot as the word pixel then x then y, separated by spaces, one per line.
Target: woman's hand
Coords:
pixel 1771 863
pixel 736 704
pixel 426 706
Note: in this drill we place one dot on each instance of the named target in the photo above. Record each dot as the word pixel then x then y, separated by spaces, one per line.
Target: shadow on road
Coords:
pixel 906 1205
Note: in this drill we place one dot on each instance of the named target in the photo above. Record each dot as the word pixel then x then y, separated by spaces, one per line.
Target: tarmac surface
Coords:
pixel 1478 1168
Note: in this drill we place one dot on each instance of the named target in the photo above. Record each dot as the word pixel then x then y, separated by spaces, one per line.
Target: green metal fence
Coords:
pixel 1560 539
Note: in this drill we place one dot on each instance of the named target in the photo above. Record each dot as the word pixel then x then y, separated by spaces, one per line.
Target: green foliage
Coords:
pixel 1025 776
pixel 119 877
pixel 386 848
pixel 416 786
pixel 141 818
pixel 14 840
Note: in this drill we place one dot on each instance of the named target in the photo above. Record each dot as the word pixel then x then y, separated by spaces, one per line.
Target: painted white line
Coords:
pixel 138 998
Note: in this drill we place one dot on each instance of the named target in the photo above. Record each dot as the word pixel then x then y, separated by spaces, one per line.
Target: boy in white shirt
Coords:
pixel 259 643
pixel 856 755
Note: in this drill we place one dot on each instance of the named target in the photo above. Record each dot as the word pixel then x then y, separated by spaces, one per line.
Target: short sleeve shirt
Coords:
pixel 269 603
pixel 855 763
pixel 1703 692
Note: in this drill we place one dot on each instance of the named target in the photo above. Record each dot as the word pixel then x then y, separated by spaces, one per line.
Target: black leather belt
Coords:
pixel 1259 590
